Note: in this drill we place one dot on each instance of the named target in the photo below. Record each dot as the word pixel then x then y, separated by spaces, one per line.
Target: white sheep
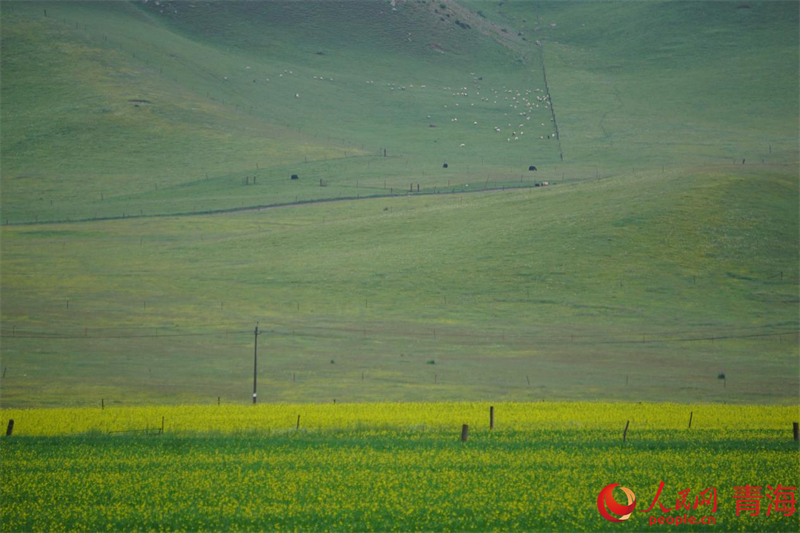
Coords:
pixel 297 95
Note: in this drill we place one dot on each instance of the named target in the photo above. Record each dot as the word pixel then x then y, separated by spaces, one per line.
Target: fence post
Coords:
pixel 625 432
pixel 491 417
pixel 691 413
pixel 464 432
pixel 298 422
pixel 10 429
pixel 794 429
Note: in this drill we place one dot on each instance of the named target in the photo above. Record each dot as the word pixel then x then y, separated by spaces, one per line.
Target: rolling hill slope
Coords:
pixel 658 261
pixel 620 288
pixel 136 108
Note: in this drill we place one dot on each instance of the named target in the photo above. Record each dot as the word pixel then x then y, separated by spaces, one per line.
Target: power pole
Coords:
pixel 255 365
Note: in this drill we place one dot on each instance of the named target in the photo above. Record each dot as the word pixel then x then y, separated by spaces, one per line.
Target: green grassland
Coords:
pixel 657 262
pixel 396 467
pixel 659 84
pixel 576 286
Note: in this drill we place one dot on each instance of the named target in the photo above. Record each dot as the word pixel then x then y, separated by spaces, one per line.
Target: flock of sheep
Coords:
pixel 515 104
pixel 518 106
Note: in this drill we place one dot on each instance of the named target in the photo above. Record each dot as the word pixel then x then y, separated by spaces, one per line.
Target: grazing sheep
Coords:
pixel 297 95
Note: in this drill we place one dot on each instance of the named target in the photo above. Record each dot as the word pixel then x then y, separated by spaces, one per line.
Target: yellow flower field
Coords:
pixel 389 467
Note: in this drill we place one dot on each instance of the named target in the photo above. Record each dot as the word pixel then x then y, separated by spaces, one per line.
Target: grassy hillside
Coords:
pixel 625 288
pixel 658 262
pixel 219 110
pixel 115 109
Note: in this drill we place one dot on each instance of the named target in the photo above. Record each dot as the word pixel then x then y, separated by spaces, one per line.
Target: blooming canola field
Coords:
pixel 389 467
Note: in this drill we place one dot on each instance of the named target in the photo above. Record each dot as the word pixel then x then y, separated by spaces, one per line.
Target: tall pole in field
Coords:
pixel 255 365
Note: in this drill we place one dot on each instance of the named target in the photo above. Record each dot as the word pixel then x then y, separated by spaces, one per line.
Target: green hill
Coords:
pixel 665 254
pixel 121 108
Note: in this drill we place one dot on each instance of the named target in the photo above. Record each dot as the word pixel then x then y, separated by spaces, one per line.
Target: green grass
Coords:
pixel 657 262
pixel 697 89
pixel 595 289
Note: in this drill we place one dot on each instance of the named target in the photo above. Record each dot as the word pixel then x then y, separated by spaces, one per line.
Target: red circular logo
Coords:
pixel 606 503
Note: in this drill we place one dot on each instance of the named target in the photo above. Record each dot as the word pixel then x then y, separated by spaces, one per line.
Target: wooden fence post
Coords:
pixel 491 417
pixel 625 432
pixel 10 428
pixel 298 422
pixel 794 429
pixel 464 432
pixel 691 413
pixel 102 404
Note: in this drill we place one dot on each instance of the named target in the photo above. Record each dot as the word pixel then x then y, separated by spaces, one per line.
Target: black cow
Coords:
pixel 532 168
pixel 295 177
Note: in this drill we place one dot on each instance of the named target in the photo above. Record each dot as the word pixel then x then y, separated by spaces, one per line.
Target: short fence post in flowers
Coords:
pixel 10 428
pixel 491 417
pixel 794 429
pixel 625 432
pixel 464 432
pixel 691 413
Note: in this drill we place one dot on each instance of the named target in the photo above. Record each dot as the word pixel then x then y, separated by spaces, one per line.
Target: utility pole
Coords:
pixel 255 365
